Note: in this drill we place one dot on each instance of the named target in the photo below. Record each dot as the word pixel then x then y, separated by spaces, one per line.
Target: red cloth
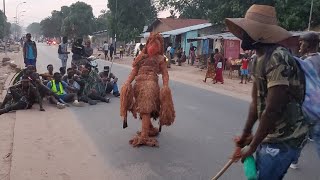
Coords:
pixel 245 63
pixel 219 76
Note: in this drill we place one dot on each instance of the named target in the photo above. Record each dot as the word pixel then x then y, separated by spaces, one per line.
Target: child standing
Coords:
pixel 244 69
pixel 121 52
pixel 219 76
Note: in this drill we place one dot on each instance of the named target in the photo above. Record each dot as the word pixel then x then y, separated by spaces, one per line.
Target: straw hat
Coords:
pixel 260 22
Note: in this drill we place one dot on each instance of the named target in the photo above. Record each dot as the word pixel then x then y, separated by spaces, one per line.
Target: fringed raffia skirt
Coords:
pixel 147 95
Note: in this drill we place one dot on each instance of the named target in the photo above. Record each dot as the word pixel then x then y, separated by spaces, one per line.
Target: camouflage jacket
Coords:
pixel 282 69
pixel 93 82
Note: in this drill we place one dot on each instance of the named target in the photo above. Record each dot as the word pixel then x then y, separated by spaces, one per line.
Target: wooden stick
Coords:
pixel 223 170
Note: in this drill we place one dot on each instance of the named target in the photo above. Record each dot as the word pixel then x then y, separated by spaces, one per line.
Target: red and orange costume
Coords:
pixel 145 98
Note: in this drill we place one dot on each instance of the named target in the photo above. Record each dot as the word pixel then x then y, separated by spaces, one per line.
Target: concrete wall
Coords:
pixel 191 34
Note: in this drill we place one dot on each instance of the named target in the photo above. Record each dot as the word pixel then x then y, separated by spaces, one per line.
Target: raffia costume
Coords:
pixel 145 98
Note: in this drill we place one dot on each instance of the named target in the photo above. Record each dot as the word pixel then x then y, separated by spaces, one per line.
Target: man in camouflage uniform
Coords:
pixel 92 87
pixel 278 91
pixel 21 96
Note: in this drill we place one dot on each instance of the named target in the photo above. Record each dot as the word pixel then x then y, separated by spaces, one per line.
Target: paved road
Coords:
pixel 195 147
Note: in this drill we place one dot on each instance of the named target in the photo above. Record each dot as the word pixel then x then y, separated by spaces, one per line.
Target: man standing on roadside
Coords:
pixel 29 51
pixel 78 53
pixel 105 48
pixel 88 49
pixel 111 49
pixel 63 52
pixel 192 53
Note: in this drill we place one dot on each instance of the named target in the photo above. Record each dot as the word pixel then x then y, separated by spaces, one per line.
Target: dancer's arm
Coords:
pixel 132 75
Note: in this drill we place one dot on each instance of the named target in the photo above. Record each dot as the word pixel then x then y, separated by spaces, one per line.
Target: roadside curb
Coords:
pixel 7 84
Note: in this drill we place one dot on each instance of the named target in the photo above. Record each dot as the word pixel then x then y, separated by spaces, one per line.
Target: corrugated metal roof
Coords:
pixel 228 36
pixel 186 29
pixel 176 23
pixel 147 34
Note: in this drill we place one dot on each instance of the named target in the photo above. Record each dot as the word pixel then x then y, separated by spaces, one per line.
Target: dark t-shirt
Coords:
pixel 78 51
pixel 111 49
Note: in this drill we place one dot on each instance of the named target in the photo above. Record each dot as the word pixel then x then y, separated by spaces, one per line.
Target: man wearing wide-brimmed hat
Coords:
pixel 277 90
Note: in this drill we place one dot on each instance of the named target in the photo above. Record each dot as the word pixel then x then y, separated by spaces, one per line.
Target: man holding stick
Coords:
pixel 278 88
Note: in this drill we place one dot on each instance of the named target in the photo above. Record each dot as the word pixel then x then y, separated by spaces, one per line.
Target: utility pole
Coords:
pixel 17 19
pixel 116 29
pixel 4 27
pixel 310 17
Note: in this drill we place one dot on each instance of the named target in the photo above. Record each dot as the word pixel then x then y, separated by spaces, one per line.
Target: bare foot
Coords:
pixel 140 141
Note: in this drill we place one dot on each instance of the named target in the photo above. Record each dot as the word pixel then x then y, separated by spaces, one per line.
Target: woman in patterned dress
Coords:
pixel 211 72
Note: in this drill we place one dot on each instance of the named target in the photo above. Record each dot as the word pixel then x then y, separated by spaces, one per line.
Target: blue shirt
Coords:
pixel 30 54
pixel 172 50
pixel 64 85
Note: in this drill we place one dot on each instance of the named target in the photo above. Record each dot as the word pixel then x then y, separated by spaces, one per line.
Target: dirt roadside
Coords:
pixel 7 122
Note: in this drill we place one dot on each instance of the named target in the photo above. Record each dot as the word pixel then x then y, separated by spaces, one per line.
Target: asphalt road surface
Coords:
pixel 197 145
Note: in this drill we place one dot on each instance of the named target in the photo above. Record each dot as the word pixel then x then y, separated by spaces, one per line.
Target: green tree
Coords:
pixel 48 28
pixel 51 26
pixel 76 20
pixel 3 22
pixel 128 17
pixel 102 22
pixel 34 28
pixel 79 21
pixel 15 28
pixel 292 14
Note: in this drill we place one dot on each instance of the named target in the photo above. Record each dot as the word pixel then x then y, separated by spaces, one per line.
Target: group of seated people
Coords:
pixel 77 86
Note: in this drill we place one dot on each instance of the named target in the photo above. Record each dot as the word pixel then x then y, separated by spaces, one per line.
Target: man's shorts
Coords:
pixel 106 52
pixel 30 62
pixel 244 71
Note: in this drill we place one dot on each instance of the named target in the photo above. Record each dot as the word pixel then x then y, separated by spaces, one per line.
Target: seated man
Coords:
pixel 44 91
pixel 25 73
pixel 75 81
pixel 58 87
pixel 76 70
pixel 21 96
pixel 92 87
pixel 72 80
pixel 48 76
pixel 62 71
pixel 110 81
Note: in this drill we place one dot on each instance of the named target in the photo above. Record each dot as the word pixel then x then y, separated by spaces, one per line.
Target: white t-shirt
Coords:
pixel 105 46
pixel 168 49
pixel 219 65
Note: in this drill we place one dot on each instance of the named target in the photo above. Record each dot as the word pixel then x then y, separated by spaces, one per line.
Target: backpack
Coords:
pixel 311 103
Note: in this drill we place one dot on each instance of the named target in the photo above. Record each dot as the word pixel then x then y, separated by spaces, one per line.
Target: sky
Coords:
pixel 36 10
